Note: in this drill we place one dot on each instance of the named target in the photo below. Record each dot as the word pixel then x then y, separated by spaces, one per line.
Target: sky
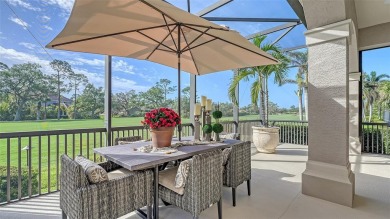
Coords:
pixel 44 19
pixel 376 60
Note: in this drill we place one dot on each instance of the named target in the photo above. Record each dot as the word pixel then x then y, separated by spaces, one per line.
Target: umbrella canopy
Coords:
pixel 157 31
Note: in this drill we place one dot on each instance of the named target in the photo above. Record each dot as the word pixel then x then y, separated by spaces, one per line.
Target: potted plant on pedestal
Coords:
pixel 162 123
pixel 265 137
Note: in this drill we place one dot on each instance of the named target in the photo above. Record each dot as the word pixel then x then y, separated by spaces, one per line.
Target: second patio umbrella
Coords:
pixel 157 31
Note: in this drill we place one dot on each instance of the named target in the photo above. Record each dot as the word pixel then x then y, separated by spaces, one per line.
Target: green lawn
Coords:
pixel 46 151
pixel 25 126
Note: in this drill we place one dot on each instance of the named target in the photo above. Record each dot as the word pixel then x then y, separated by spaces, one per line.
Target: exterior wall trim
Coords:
pixel 330 32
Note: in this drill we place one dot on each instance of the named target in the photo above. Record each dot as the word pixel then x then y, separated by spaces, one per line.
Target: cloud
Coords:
pixel 118 84
pixel 117 66
pixel 19 21
pixel 23 4
pixel 28 45
pixel 65 5
pixel 122 66
pixel 47 27
pixel 92 62
pixel 11 57
pixel 45 18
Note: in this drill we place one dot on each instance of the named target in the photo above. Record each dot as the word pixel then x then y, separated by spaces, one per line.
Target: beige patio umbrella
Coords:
pixel 157 31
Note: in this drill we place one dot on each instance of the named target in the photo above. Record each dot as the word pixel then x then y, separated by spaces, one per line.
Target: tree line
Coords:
pixel 25 92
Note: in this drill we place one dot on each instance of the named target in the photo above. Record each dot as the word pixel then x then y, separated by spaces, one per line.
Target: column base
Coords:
pixel 354 146
pixel 330 182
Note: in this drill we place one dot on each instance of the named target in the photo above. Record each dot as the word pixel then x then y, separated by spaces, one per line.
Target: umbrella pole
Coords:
pixel 179 81
pixel 179 95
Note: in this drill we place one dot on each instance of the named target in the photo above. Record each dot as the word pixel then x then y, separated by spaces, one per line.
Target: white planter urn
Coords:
pixel 265 139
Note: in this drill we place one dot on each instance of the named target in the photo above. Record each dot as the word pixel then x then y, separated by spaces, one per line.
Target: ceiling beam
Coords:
pixel 298 9
pixel 273 29
pixel 294 48
pixel 252 19
pixel 213 7
pixel 281 36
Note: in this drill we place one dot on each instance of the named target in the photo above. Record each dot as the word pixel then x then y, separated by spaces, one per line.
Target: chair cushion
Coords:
pixel 167 179
pixel 119 173
pixel 93 172
pixel 225 155
pixel 182 173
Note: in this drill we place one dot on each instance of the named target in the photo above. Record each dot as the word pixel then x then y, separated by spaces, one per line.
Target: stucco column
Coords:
pixel 354 114
pixel 328 172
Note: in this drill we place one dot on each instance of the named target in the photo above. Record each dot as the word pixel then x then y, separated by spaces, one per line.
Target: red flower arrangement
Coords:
pixel 162 117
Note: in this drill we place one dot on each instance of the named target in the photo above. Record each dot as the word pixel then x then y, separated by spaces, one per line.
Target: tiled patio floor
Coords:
pixel 276 193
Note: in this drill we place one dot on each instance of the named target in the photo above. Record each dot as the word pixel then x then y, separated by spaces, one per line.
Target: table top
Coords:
pixel 125 155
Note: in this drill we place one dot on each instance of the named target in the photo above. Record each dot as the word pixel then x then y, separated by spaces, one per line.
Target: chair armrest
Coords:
pixel 118 196
pixel 109 166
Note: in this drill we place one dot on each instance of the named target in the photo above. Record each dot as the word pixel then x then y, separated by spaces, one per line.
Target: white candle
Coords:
pixel 197 109
pixel 203 100
pixel 209 104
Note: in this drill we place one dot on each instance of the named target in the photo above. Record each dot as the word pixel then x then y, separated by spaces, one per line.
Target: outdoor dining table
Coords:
pixel 127 157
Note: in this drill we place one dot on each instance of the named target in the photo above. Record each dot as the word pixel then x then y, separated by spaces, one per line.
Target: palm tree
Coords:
pixel 300 60
pixel 370 90
pixel 261 74
pixel 301 84
pixel 384 97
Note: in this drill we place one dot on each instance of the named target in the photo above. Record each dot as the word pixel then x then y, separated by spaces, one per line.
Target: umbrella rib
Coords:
pixel 108 35
pixel 192 57
pixel 161 42
pixel 170 33
pixel 156 41
pixel 226 41
pixel 200 44
pixel 214 28
pixel 166 50
pixel 188 45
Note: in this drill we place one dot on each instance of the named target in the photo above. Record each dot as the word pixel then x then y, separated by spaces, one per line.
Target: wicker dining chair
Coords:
pixel 203 185
pixel 105 200
pixel 127 139
pixel 237 168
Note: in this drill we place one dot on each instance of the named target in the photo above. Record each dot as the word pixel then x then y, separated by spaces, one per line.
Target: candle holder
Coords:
pixel 196 128
pixel 203 121
pixel 208 122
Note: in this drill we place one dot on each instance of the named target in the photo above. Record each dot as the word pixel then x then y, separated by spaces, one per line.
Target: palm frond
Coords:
pixel 255 92
pixel 243 75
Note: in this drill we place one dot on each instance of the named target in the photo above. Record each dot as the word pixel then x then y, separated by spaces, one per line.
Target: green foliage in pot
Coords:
pixel 217 128
pixel 207 128
pixel 217 114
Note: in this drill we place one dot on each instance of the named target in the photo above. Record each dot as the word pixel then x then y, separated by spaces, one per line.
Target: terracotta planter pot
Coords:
pixel 265 139
pixel 162 137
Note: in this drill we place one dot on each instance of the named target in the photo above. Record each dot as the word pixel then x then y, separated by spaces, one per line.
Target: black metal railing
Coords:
pixel 292 132
pixel 30 161
pixel 376 138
